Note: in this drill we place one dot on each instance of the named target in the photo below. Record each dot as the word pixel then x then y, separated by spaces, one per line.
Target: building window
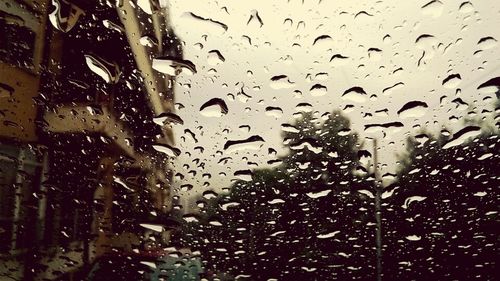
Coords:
pixel 20 178
pixel 17 39
pixel 8 170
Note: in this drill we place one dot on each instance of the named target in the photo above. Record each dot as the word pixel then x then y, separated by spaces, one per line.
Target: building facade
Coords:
pixel 78 173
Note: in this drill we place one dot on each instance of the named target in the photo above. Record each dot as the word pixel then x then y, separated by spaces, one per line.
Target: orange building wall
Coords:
pixel 18 108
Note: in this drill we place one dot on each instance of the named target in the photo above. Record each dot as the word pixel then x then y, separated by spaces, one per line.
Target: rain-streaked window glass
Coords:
pixel 249 140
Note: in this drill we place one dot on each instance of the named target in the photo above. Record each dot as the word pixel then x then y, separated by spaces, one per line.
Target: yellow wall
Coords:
pixel 19 108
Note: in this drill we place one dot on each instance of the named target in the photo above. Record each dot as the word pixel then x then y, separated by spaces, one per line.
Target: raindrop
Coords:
pixel 147 41
pixel 167 117
pixel 339 60
pixel 466 7
pixel 309 143
pixel 362 15
pixel 242 96
pixel 421 138
pixel 348 108
pixel 255 19
pixel 367 193
pixel 318 90
pixel 215 57
pixel 253 142
pixel 209 194
pixel 388 176
pixel 389 90
pixel 387 38
pixel 461 105
pixel 244 175
pixel 275 112
pixel 190 218
pixel 323 40
pixel 355 94
pixel 452 81
pixel 215 107
pixel 245 128
pixel 388 193
pixel 445 133
pixel 225 206
pixel 198 46
pixel 344 132
pixel 154 227
pixel 145 6
pixel 109 72
pixel 247 39
pixel 364 156
pixel 149 263
pixel 485 156
pixel 321 76
pixel 318 194
pixel 413 237
pixel 480 194
pixel 304 107
pixel 167 149
pixel 391 126
pixel 413 109
pixel 425 40
pixel 328 235
pixel 487 43
pixel 308 269
pixel 281 82
pixel 79 84
pixel 67 23
pixel 276 201
pixel 5 90
pixel 206 21
pixel 382 112
pixel 113 26
pixel 433 8
pixel 289 128
pixel 173 66
pixel 491 86
pixel 215 223
pixel 190 135
pixel 301 24
pixel 461 136
pixel 186 187
pixel 120 182
pixel 375 54
pixel 361 170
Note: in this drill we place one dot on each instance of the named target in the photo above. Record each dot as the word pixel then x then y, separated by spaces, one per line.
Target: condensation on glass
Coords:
pixel 258 140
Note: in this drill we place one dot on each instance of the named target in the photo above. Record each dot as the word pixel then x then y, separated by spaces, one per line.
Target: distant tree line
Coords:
pixel 312 216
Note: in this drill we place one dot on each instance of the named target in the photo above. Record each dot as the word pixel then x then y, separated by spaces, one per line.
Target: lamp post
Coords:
pixel 378 216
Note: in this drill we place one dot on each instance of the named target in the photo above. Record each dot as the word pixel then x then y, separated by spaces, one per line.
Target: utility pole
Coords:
pixel 378 218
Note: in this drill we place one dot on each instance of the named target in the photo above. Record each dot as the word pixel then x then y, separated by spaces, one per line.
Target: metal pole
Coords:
pixel 378 218
pixel 42 203
pixel 17 195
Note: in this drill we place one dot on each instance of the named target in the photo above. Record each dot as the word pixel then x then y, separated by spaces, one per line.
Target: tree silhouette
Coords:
pixel 306 220
pixel 300 220
pixel 323 242
pixel 439 223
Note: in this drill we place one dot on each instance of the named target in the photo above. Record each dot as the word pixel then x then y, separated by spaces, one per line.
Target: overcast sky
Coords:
pixel 379 41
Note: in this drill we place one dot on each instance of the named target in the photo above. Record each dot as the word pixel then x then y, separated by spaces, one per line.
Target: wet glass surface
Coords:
pixel 257 140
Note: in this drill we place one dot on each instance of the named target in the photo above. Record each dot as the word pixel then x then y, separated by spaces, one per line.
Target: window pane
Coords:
pixel 249 140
